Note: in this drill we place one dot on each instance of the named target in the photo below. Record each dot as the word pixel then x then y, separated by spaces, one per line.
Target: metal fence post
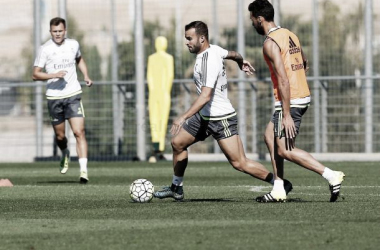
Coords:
pixel 38 90
pixel 241 84
pixel 315 100
pixel 369 81
pixel 63 14
pixel 324 114
pixel 140 82
pixel 62 11
pixel 254 117
pixel 179 33
pixel 117 98
pixel 215 23
pixel 215 40
pixel 277 11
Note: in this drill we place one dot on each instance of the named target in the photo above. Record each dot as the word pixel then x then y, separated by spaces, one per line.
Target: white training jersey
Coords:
pixel 55 58
pixel 209 71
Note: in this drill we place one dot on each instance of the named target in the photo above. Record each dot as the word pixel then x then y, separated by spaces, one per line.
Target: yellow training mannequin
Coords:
pixel 160 80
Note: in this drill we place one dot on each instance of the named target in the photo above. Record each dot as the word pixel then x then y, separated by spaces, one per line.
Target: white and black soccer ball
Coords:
pixel 141 190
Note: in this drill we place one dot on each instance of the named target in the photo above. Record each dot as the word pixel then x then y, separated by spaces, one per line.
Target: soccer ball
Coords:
pixel 141 190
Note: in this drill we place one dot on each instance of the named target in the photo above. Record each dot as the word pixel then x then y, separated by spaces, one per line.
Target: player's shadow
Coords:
pixel 296 200
pixel 58 182
pixel 305 201
pixel 208 200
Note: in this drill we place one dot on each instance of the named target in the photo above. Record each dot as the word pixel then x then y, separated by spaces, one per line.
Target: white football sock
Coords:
pixel 328 174
pixel 278 185
pixel 178 181
pixel 83 164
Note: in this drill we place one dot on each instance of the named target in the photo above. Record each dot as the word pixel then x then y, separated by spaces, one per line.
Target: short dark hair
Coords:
pixel 262 8
pixel 200 27
pixel 56 21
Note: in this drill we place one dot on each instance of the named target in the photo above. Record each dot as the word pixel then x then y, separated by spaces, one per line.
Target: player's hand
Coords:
pixel 177 124
pixel 60 74
pixel 290 132
pixel 247 68
pixel 306 65
pixel 88 81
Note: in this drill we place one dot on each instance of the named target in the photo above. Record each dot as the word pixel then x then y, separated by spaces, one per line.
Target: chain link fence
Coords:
pixel 339 93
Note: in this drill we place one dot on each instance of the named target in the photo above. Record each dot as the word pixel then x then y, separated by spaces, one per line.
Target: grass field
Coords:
pixel 46 210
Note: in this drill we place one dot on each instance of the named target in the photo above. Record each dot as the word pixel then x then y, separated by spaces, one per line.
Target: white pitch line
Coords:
pixel 269 187
pixel 248 186
pixel 253 188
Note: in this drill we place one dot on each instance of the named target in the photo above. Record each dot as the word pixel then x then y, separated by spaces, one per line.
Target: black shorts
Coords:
pixel 296 114
pixel 66 108
pixel 219 129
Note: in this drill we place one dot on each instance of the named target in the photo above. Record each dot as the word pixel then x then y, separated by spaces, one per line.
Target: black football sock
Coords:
pixel 269 178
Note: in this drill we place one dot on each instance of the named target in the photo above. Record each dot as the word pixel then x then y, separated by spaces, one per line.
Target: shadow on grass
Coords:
pixel 296 200
pixel 58 182
pixel 299 200
pixel 208 200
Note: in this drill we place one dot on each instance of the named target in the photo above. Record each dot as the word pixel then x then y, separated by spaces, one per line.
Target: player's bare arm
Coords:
pixel 202 100
pixel 39 75
pixel 244 65
pixel 83 68
pixel 272 52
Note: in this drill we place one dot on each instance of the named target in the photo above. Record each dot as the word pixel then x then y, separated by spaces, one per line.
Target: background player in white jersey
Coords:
pixel 211 113
pixel 59 57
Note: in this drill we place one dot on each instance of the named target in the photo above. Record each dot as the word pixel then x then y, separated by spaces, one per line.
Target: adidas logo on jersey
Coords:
pixel 293 49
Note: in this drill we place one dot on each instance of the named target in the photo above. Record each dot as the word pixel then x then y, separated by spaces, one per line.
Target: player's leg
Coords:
pixel 226 133
pixel 272 134
pixel 74 112
pixel 270 177
pixel 179 143
pixel 296 155
pixel 192 131
pixel 60 138
pixel 234 152
pixel 306 160
pixel 278 193
pixel 233 149
pixel 77 126
pixel 281 186
pixel 277 162
pixel 57 118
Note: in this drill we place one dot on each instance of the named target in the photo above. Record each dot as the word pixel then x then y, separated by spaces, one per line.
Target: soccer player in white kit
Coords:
pixel 59 57
pixel 210 114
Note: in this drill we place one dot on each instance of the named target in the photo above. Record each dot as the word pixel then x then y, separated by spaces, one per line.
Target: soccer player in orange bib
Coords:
pixel 287 64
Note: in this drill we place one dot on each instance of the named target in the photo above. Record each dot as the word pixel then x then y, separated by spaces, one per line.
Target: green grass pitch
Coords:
pixel 47 210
